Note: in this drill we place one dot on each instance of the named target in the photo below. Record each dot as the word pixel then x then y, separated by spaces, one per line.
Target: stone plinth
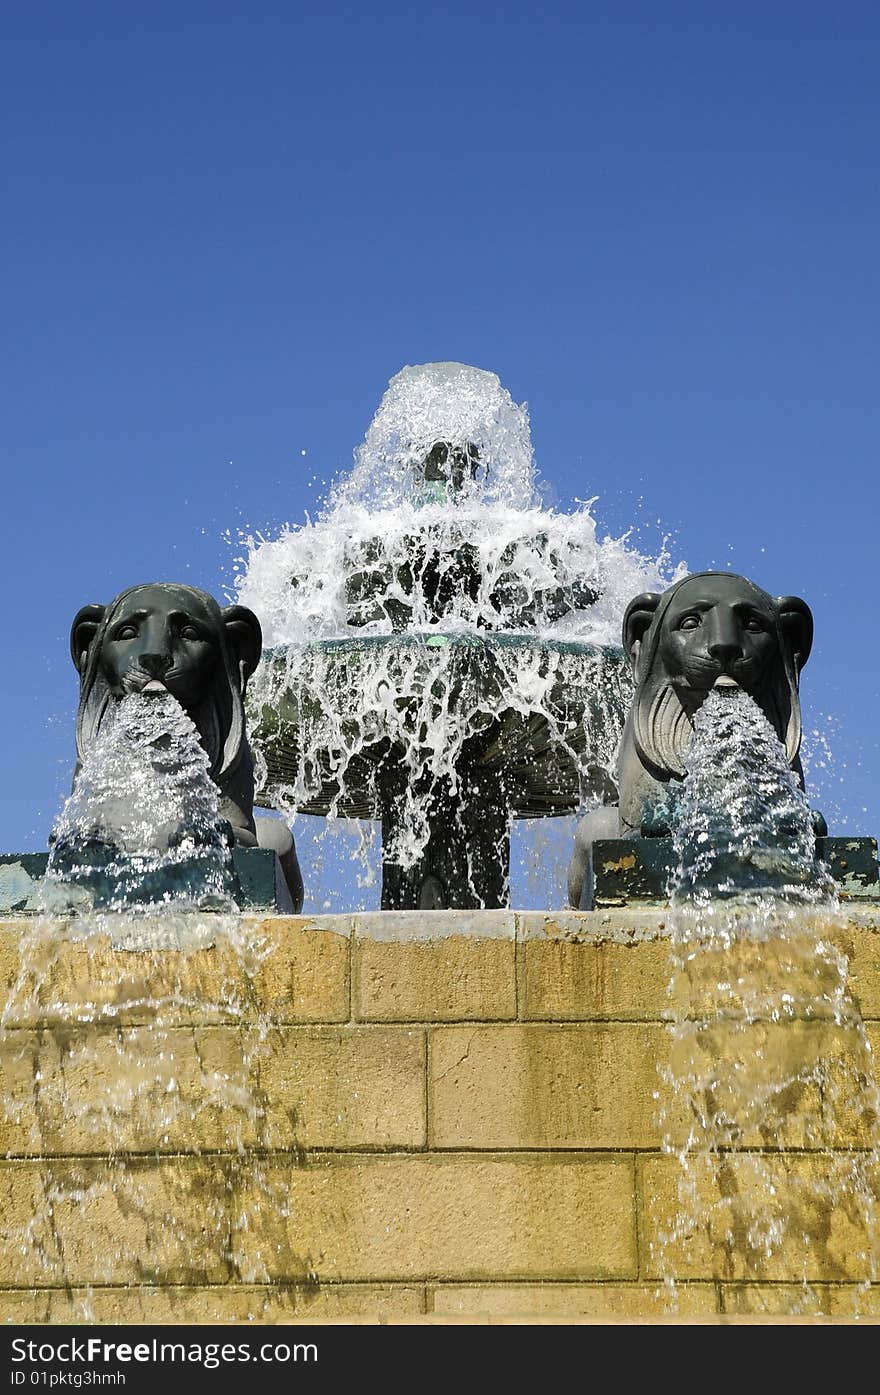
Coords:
pixel 258 870
pixel 634 871
pixel 451 1114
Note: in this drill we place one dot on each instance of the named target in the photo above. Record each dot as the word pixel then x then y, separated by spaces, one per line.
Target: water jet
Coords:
pixel 474 626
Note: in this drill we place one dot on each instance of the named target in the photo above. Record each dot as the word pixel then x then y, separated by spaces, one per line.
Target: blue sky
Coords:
pixel 226 227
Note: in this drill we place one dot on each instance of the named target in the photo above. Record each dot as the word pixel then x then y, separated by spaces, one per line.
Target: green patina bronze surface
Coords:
pixel 627 871
pixel 259 876
pixel 543 764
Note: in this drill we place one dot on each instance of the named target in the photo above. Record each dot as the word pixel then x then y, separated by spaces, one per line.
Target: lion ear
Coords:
pixel 244 636
pixel 85 626
pixel 796 627
pixel 636 621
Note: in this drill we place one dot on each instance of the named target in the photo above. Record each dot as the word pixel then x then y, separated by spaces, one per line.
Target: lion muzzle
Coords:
pixel 137 681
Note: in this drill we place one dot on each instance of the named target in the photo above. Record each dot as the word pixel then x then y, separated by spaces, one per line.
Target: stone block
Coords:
pixel 599 1302
pixel 792 1083
pixel 284 967
pixel 238 1303
pixel 852 862
pixel 817 1227
pixel 359 1217
pixel 78 1221
pixel 11 931
pixel 20 877
pixel 539 1086
pixel 219 1089
pixel 258 870
pixel 585 966
pixel 305 974
pixel 861 943
pixel 816 1300
pixel 435 966
pixel 346 1087
pixel 263 887
pixel 626 871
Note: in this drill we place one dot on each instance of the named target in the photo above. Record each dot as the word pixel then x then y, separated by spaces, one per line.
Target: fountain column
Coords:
pixel 465 863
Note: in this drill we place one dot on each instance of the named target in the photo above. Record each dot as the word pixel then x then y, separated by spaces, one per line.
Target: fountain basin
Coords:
pixel 360 702
pixel 444 737
pixel 464 1127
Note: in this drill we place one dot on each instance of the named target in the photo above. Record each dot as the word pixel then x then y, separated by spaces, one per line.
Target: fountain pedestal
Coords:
pixel 261 882
pixel 466 859
pixel 539 1195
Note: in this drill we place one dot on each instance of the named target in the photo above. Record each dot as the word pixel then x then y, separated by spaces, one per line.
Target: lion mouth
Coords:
pixel 698 682
pixel 142 683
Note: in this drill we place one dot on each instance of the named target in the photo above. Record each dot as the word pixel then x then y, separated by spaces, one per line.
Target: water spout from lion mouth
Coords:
pixel 725 680
pixel 142 683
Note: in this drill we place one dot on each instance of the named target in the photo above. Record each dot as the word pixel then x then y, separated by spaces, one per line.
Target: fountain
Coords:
pixel 211 1116
pixel 136 952
pixel 142 830
pixel 440 646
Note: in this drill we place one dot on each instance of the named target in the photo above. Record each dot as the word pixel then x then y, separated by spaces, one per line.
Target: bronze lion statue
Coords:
pixel 166 637
pixel 708 629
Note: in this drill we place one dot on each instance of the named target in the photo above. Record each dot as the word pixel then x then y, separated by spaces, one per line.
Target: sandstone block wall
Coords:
pixel 457 1115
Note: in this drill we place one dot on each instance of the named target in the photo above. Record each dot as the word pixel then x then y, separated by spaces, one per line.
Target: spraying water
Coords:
pixel 436 631
pixel 142 828
pixel 488 555
pixel 772 1104
pixel 130 1054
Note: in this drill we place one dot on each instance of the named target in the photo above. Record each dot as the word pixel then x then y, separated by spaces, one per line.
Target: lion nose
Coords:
pixel 724 653
pixel 155 664
pixel 723 639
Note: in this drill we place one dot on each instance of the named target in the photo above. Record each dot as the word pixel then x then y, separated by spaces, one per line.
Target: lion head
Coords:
pixel 708 630
pixel 165 637
pixel 712 629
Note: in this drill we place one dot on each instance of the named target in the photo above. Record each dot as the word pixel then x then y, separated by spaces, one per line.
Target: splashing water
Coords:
pixel 142 828
pixel 456 404
pixel 771 1104
pixel 392 552
pixel 134 1028
pixel 436 610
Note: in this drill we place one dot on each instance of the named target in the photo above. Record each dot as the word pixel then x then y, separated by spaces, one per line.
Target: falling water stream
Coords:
pixel 771 1101
pixel 142 830
pixel 134 1027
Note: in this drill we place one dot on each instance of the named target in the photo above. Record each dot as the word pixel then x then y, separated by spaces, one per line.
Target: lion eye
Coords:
pixel 126 632
pixel 690 622
pixel 755 624
pixel 189 632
